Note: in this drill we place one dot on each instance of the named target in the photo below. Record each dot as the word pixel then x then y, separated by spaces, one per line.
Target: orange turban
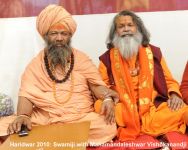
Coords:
pixel 52 15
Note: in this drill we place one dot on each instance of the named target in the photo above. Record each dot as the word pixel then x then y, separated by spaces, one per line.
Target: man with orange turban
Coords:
pixel 59 84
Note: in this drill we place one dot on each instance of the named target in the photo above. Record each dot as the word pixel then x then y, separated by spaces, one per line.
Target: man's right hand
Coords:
pixel 15 126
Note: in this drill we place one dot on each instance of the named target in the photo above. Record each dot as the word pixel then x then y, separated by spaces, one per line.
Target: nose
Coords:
pixel 126 28
pixel 59 37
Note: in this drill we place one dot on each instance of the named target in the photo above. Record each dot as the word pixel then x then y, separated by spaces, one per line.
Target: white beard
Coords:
pixel 128 45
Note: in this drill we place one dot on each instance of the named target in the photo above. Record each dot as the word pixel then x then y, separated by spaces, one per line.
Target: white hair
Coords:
pixel 128 45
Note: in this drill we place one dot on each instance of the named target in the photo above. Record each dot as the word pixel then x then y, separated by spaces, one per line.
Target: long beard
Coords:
pixel 128 45
pixel 59 55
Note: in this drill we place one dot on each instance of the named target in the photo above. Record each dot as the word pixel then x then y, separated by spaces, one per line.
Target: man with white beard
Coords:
pixel 150 100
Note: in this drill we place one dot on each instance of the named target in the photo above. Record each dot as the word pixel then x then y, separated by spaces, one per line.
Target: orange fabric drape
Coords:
pixel 125 88
pixel 184 84
pixel 136 113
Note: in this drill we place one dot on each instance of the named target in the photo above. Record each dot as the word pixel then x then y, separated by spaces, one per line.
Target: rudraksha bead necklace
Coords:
pixel 52 77
pixel 54 80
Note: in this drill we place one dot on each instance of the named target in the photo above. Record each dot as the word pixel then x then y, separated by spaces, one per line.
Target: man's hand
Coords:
pixel 107 110
pixel 175 102
pixel 15 126
pixel 109 98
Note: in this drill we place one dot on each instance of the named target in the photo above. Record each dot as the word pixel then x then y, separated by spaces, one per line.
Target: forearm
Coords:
pixel 172 93
pixel 98 90
pixel 25 107
pixel 103 92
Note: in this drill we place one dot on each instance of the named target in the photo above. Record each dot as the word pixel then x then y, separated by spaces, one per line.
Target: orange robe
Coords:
pixel 136 113
pixel 184 85
pixel 38 88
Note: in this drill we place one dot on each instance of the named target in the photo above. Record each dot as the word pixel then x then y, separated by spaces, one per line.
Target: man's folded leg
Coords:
pixel 99 132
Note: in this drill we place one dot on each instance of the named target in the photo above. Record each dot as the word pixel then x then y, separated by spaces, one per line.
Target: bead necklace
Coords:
pixel 53 78
pixel 51 74
pixel 69 94
pixel 134 71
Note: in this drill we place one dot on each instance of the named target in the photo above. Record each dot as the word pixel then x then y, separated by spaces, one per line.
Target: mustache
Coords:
pixel 127 35
pixel 137 37
pixel 55 45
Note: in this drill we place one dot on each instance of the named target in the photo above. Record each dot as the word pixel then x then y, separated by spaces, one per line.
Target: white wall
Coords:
pixel 19 42
pixel 169 31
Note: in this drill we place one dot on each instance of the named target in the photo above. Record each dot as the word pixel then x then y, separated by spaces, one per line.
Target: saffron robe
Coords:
pixel 184 84
pixel 136 113
pixel 37 87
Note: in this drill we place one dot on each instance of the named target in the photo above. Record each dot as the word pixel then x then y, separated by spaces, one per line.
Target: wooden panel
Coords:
pixel 26 8
pixel 72 136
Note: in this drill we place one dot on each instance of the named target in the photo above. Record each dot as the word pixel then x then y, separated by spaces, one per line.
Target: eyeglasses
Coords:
pixel 54 34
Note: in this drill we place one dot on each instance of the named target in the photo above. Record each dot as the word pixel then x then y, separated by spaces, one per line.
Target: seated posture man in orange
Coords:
pixel 184 85
pixel 58 84
pixel 150 100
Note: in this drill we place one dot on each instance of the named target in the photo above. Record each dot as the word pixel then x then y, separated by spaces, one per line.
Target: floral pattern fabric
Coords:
pixel 6 105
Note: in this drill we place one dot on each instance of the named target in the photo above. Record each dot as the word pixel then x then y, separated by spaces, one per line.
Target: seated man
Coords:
pixel 150 100
pixel 56 85
pixel 184 85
